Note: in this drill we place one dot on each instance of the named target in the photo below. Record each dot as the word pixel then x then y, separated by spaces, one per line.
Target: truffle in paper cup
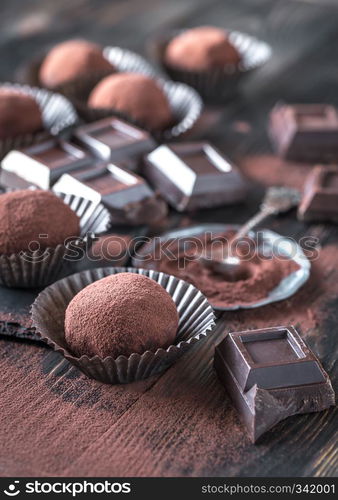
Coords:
pixel 58 117
pixel 185 103
pixel 215 85
pixel 196 321
pixel 76 88
pixel 35 269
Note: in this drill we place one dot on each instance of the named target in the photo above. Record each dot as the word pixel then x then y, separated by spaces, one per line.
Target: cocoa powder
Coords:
pixel 265 272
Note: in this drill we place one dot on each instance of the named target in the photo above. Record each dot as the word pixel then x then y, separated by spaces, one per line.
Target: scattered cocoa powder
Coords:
pixel 271 170
pixel 34 216
pixel 184 425
pixel 119 315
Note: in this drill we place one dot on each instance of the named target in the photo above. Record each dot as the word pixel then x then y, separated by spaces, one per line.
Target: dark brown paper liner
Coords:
pixel 40 268
pixel 58 116
pixel 196 322
pixel 220 84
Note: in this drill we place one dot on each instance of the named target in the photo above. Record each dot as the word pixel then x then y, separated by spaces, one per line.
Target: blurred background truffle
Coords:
pixel 72 59
pixel 201 48
pixel 137 95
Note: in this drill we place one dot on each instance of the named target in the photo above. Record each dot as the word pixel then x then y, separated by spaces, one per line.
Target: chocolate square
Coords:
pixel 127 196
pixel 320 195
pixel 270 374
pixel 194 175
pixel 43 164
pixel 305 132
pixel 114 140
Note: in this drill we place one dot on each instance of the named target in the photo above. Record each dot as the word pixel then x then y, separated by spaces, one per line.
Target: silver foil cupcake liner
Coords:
pixel 185 103
pixel 35 269
pixel 196 321
pixel 216 85
pixel 58 117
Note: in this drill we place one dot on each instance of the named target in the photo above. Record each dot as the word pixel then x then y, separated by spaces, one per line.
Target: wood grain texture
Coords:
pixel 182 423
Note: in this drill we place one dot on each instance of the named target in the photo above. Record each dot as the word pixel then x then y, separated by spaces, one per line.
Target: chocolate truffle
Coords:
pixel 119 315
pixel 34 216
pixel 70 60
pixel 201 49
pixel 19 114
pixel 138 96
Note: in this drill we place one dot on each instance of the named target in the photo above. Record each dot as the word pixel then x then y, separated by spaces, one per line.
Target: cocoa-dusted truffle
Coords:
pixel 138 96
pixel 119 315
pixel 200 49
pixel 70 60
pixel 34 216
pixel 19 114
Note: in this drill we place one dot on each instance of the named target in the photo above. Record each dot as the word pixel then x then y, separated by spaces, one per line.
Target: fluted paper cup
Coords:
pixel 58 117
pixel 35 269
pixel 219 84
pixel 196 321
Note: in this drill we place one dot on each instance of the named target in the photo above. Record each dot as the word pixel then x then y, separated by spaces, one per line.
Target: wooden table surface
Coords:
pixel 182 423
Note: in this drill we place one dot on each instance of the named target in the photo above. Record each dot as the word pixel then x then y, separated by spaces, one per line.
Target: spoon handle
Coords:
pixel 264 212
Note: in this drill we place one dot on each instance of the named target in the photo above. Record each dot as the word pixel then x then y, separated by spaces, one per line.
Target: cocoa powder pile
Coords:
pixel 119 315
pixel 264 272
pixel 34 216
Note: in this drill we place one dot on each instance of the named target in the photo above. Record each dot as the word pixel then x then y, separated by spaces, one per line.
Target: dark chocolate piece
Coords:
pixel 194 175
pixel 271 374
pixel 43 164
pixel 114 140
pixel 127 196
pixel 320 195
pixel 14 331
pixel 305 132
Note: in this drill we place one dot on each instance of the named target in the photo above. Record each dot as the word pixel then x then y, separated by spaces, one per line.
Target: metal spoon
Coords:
pixel 276 201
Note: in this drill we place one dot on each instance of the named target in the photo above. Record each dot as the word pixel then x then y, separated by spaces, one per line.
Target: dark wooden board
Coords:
pixel 181 423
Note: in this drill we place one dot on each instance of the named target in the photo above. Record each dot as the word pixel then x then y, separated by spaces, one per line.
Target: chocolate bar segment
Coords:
pixel 114 140
pixel 43 164
pixel 320 195
pixel 127 196
pixel 305 132
pixel 271 374
pixel 194 175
